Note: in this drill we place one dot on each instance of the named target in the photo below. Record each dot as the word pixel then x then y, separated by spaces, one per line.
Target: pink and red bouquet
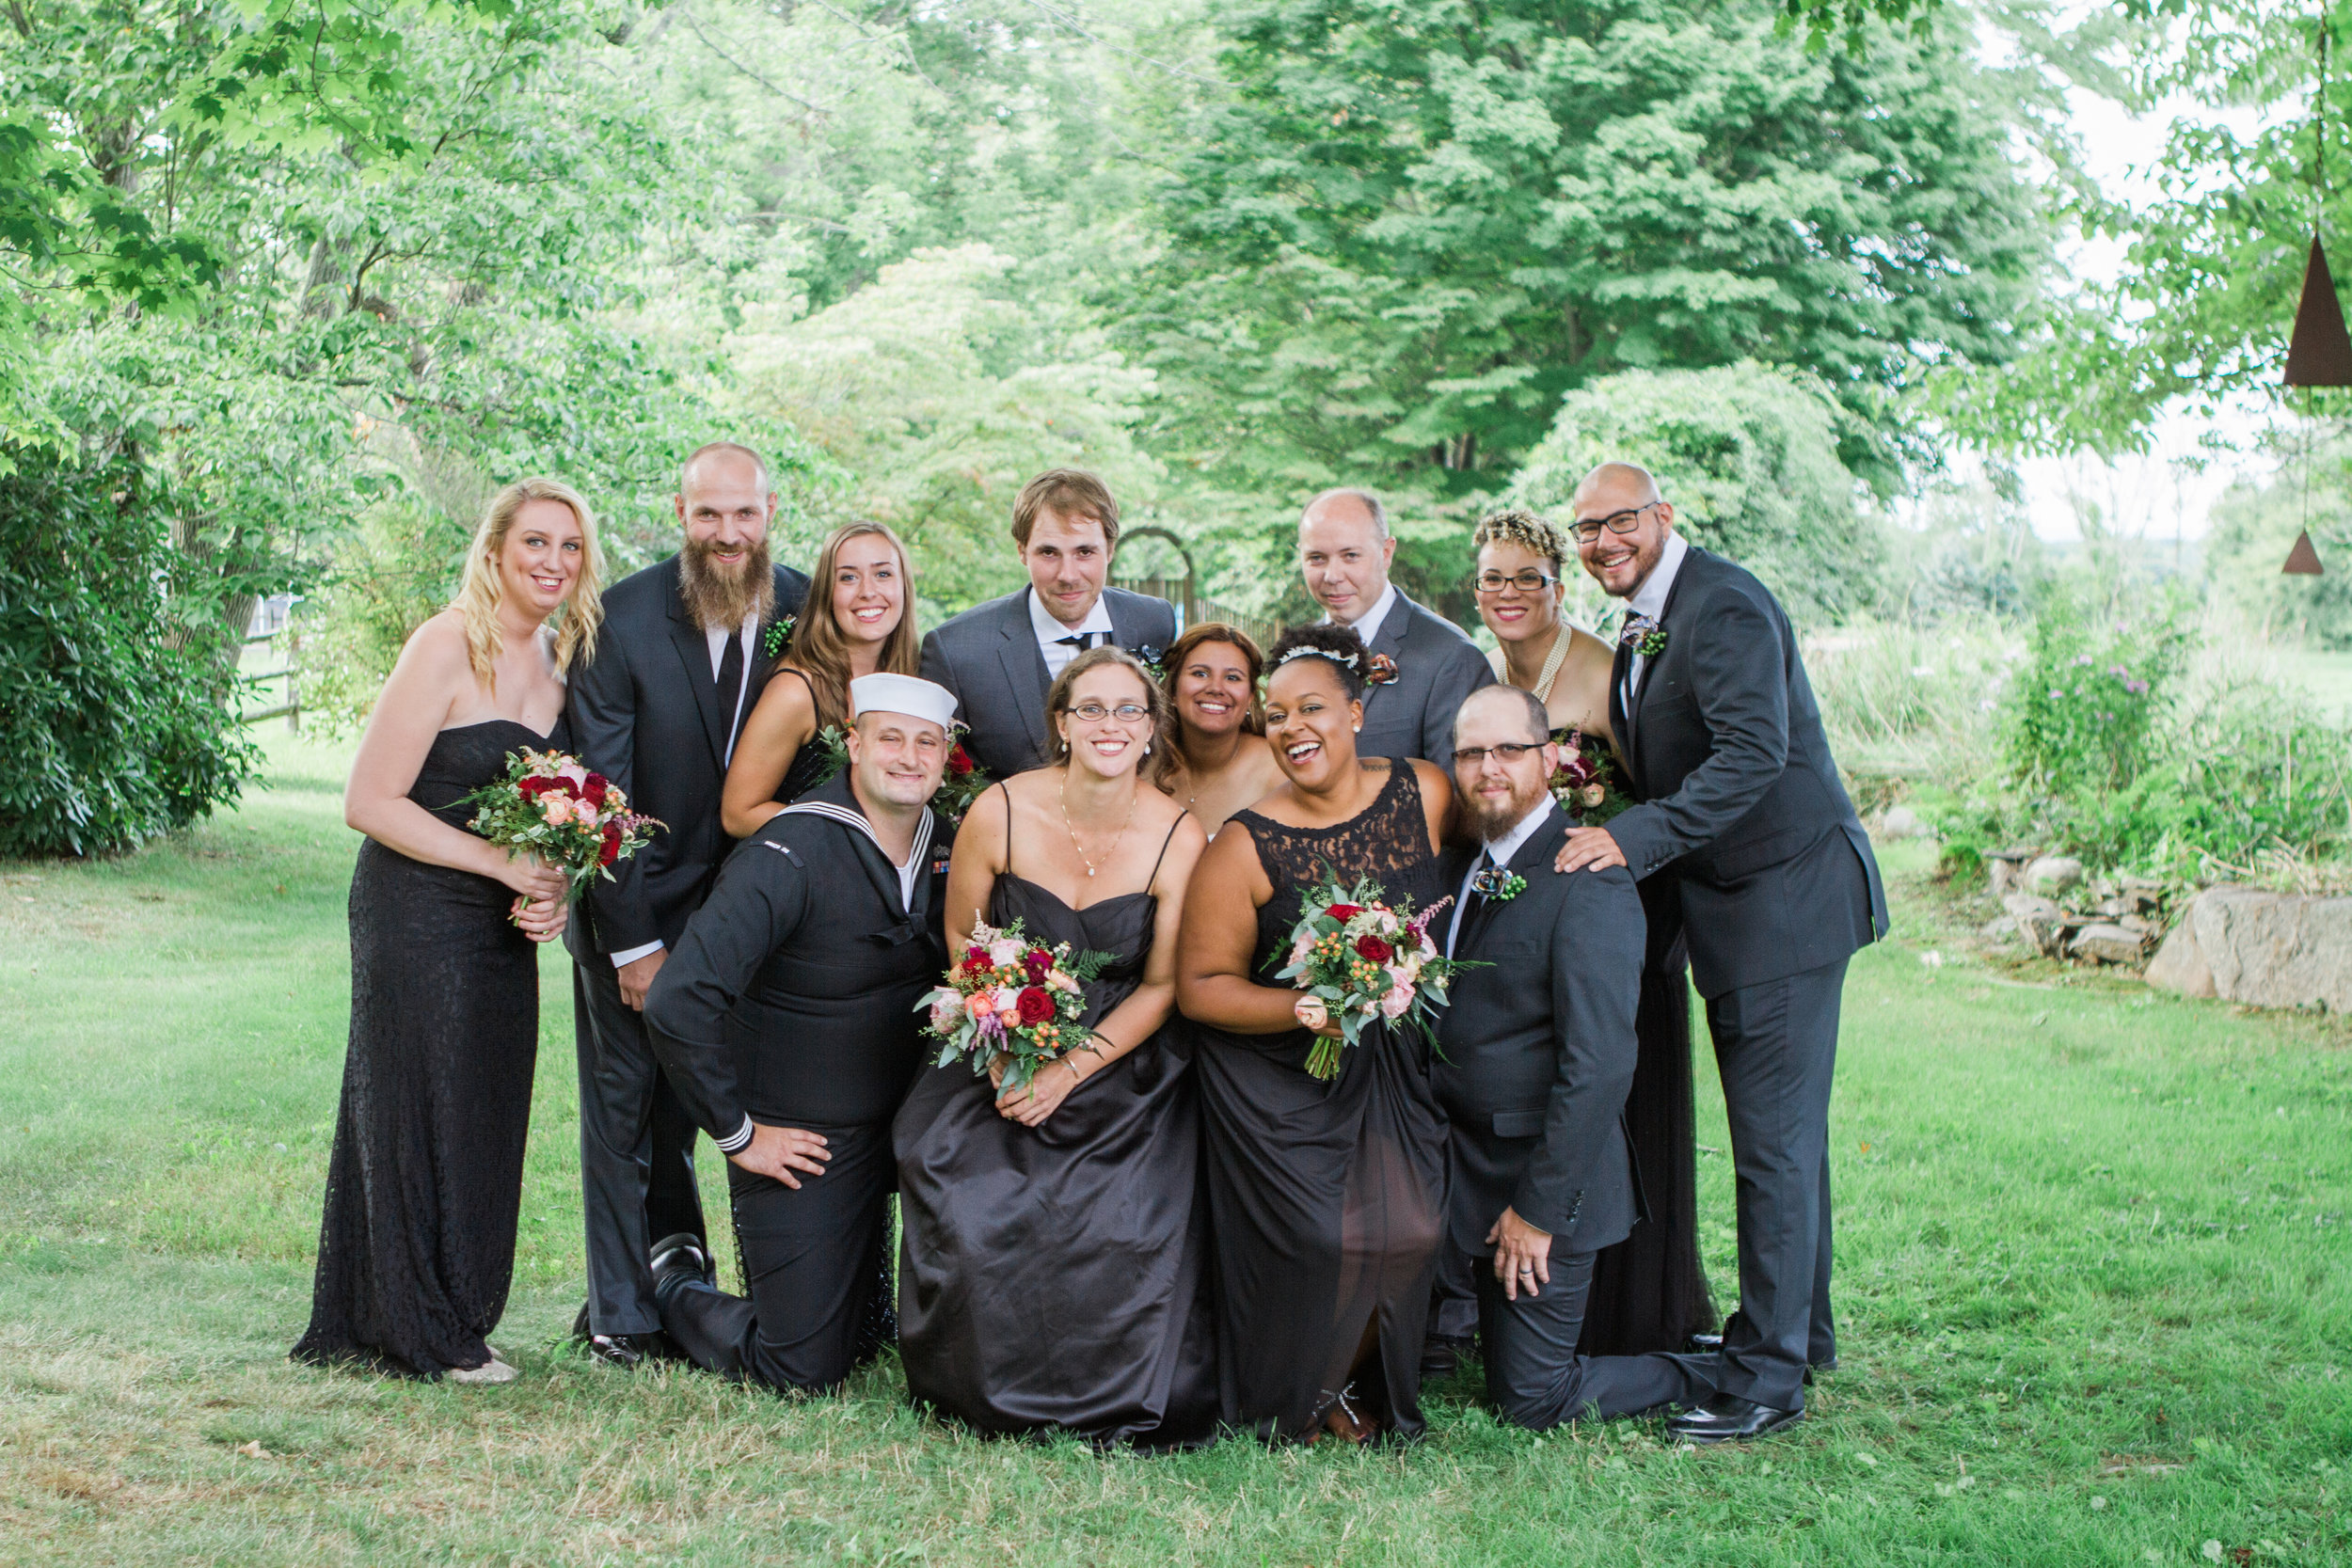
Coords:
pixel 1360 959
pixel 1585 783
pixel 552 806
pixel 1013 997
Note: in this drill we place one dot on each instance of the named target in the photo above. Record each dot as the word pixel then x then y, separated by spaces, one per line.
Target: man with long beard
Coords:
pixel 680 659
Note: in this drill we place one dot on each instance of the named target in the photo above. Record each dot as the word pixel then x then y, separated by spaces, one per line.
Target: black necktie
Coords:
pixel 1082 641
pixel 730 687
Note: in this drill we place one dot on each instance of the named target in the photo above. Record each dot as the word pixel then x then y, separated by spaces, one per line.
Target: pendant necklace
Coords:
pixel 1074 832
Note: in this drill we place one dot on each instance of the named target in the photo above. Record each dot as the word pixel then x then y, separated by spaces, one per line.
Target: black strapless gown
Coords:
pixel 1327 1200
pixel 417 1248
pixel 1052 1278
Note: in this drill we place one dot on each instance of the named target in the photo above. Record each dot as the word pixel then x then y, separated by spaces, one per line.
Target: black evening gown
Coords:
pixel 1327 1200
pixel 417 1246
pixel 1649 1291
pixel 1053 1279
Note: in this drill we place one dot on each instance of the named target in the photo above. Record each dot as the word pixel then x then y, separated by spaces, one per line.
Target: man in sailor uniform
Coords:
pixel 787 1022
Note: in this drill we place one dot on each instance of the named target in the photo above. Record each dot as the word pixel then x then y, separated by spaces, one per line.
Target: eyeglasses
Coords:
pixel 1588 529
pixel 1126 713
pixel 1506 754
pixel 1529 581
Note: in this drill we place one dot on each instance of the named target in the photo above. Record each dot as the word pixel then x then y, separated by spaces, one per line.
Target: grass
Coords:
pixel 2095 1274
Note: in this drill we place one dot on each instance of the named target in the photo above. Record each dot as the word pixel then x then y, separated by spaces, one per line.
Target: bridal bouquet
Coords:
pixel 1359 958
pixel 1015 996
pixel 1585 783
pixel 550 805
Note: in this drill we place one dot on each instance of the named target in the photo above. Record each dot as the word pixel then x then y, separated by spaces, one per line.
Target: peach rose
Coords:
pixel 557 809
pixel 1311 1012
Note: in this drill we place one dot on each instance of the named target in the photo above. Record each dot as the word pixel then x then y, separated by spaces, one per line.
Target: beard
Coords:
pixel 1492 820
pixel 719 595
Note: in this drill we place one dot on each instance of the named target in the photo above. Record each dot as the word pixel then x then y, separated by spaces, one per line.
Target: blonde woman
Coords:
pixel 417 1248
pixel 857 621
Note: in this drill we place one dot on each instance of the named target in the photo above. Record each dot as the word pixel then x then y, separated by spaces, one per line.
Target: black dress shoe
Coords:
pixel 579 1324
pixel 1729 1419
pixel 1442 1356
pixel 629 1350
pixel 680 1254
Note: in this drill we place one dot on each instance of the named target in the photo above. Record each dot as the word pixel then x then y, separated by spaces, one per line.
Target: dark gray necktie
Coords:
pixel 730 687
pixel 1082 641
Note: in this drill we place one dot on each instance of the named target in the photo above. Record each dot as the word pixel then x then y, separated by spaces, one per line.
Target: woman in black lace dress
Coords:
pixel 417 1246
pixel 1326 1197
pixel 864 624
pixel 1055 1261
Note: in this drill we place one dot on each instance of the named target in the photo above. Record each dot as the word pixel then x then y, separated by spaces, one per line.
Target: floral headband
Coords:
pixel 1350 660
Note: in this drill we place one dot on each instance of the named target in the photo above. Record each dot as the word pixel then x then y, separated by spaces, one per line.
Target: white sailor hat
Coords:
pixel 908 694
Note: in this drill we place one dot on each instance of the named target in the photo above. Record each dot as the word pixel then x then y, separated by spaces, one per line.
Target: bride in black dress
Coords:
pixel 1053 1259
pixel 417 1246
pixel 1326 1197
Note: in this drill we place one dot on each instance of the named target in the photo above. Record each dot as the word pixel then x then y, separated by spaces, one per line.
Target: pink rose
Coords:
pixel 1393 1004
pixel 1004 952
pixel 557 809
pixel 574 773
pixel 945 1012
pixel 1311 1012
pixel 1007 1000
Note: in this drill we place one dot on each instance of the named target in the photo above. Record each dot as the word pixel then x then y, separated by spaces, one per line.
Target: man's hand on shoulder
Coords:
pixel 778 1151
pixel 1588 849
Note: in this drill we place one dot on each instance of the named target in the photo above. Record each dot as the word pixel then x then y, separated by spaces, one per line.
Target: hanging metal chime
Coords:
pixel 2320 353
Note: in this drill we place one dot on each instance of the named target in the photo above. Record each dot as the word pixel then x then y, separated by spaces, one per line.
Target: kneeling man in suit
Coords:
pixel 1538 1056
pixel 787 1020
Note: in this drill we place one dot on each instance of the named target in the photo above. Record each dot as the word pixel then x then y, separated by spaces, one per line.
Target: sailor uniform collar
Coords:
pixel 835 802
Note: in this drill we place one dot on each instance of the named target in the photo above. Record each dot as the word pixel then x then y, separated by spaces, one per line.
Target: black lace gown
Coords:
pixel 1053 1278
pixel 417 1246
pixel 1327 1200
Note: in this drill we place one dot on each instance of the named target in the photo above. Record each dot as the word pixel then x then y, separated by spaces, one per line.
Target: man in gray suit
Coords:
pixel 1000 658
pixel 1344 551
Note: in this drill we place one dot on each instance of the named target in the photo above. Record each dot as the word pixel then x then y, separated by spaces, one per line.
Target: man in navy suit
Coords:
pixel 1000 658
pixel 1741 811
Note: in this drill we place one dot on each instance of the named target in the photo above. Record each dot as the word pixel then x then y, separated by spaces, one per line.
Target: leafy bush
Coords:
pixel 2084 712
pixel 400 570
pixel 1749 457
pixel 114 690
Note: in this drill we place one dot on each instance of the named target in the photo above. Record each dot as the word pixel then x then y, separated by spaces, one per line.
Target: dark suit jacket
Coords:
pixel 1436 668
pixel 1740 803
pixel 791 996
pixel 646 714
pixel 988 658
pixel 1539 1050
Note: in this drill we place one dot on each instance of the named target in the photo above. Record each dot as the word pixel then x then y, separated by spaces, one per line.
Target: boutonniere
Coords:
pixel 1151 658
pixel 779 635
pixel 1499 884
pixel 1380 670
pixel 1643 635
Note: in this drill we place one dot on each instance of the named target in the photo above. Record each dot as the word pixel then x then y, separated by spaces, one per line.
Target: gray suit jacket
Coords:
pixel 988 658
pixel 1436 668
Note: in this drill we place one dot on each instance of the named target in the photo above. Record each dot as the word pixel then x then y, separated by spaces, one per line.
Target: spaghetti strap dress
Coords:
pixel 1052 1278
pixel 1326 1198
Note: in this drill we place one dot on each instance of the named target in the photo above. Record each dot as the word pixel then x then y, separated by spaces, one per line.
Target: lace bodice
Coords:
pixel 1387 840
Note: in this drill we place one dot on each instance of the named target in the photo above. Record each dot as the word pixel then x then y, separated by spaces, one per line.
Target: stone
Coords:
pixel 2180 964
pixel 2054 874
pixel 2042 923
pixel 2000 876
pixel 2108 945
pixel 2275 949
pixel 1900 822
pixel 1999 931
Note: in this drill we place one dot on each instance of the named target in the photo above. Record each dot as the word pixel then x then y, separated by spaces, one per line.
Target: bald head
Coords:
pixel 1343 552
pixel 1521 715
pixel 1614 487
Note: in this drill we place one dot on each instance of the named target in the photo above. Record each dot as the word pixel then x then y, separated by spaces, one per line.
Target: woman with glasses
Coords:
pixel 1053 1267
pixel 1649 1291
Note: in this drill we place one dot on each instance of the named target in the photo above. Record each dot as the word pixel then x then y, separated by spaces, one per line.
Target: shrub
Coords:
pixel 115 692
pixel 400 570
pixel 2083 713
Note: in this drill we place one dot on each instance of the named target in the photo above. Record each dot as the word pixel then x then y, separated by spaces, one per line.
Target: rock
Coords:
pixel 2042 923
pixel 2054 874
pixel 2112 909
pixel 2275 949
pixel 2000 876
pixel 2180 964
pixel 1900 822
pixel 2108 945
pixel 2138 924
pixel 1998 930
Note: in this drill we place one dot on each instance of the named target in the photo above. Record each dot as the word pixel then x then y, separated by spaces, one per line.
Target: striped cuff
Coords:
pixel 739 1141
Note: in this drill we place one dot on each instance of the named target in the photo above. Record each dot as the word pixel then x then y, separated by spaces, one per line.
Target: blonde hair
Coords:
pixel 1531 532
pixel 479 593
pixel 820 650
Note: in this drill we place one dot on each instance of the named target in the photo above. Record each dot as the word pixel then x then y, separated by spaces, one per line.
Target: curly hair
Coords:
pixel 1526 529
pixel 1161 757
pixel 1336 646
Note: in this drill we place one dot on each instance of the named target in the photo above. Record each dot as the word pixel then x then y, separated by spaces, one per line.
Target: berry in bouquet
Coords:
pixel 1587 784
pixel 1360 959
pixel 550 805
pixel 1014 997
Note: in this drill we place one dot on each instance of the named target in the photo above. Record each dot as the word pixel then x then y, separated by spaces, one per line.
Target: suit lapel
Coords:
pixel 1392 643
pixel 1649 671
pixel 1026 679
pixel 1532 857
pixel 694 652
pixel 761 665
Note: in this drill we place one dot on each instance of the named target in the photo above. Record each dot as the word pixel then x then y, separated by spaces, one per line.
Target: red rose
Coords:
pixel 976 961
pixel 535 786
pixel 1036 1007
pixel 960 762
pixel 1373 950
pixel 592 791
pixel 1037 963
pixel 1345 912
pixel 611 850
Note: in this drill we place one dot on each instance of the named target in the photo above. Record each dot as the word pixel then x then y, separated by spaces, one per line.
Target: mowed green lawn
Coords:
pixel 2095 1271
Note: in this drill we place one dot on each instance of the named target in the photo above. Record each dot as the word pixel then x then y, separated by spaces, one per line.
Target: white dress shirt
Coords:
pixel 717 636
pixel 1050 632
pixel 1499 852
pixel 1651 600
pixel 1368 625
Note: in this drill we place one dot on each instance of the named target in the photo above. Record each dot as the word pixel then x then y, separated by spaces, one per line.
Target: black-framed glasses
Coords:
pixel 1529 581
pixel 1126 713
pixel 1588 529
pixel 1506 754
